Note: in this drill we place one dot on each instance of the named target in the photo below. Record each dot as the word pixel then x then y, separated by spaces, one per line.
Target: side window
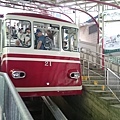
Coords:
pixel 69 39
pixel 46 36
pixel 18 33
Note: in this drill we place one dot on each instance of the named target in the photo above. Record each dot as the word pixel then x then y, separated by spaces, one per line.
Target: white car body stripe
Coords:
pixel 39 59
pixel 40 89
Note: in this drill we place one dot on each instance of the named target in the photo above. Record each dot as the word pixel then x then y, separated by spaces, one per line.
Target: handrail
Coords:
pixel 96 73
pixel 113 73
pixel 107 81
pixel 92 55
pixel 92 51
pixel 96 63
pixel 105 55
pixel 101 65
pixel 105 60
pixel 115 83
pixel 19 103
pixel 100 56
pixel 114 94
pixel 92 70
pixel 95 56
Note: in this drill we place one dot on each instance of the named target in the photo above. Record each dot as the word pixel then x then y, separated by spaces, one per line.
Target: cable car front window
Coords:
pixel 18 33
pixel 47 30
pixel 69 39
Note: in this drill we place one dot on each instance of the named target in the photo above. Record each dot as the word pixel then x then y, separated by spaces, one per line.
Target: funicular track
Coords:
pixel 43 108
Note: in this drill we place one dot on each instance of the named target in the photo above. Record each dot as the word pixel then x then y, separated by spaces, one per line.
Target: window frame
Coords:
pixel 69 42
pixel 58 26
pixel 5 38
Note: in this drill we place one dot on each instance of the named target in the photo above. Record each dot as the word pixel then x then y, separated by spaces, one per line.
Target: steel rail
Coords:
pixel 57 113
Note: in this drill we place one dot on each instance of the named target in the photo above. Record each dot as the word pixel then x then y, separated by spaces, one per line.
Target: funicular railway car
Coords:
pixel 38 67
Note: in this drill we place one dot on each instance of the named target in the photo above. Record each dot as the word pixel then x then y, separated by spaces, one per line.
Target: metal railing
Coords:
pixel 89 57
pixel 99 60
pixel 113 83
pixel 112 80
pixel 12 106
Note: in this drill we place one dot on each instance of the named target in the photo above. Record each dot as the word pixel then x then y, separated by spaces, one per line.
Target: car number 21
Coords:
pixel 48 63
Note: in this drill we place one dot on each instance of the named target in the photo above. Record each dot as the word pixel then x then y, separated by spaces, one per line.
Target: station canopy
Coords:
pixel 61 6
pixel 37 5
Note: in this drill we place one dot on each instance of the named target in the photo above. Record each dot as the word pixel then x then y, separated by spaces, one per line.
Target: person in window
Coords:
pixel 17 43
pixel 49 34
pixel 36 38
pixel 41 40
pixel 20 34
pixel 65 45
pixel 14 33
pixel 27 37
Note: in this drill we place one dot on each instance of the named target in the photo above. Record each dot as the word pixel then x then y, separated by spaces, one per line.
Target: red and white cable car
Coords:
pixel 38 72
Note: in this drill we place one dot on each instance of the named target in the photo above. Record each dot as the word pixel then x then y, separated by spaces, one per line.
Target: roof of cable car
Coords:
pixel 38 16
